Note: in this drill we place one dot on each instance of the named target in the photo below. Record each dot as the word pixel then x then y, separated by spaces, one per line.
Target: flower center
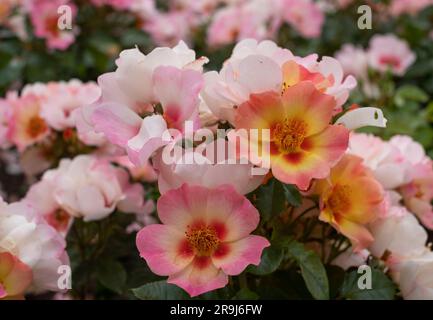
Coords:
pixel 36 126
pixel 204 240
pixel 339 201
pixel 4 11
pixel 289 134
pixel 52 26
pixel 59 219
pixel 390 60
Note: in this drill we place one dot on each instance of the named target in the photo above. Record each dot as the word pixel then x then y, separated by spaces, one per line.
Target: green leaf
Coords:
pixel 271 199
pixel 429 112
pixel 292 194
pixel 312 270
pixel 271 260
pixel 112 275
pixel 335 278
pixel 410 92
pixel 160 290
pixel 221 294
pixel 382 287
pixel 245 294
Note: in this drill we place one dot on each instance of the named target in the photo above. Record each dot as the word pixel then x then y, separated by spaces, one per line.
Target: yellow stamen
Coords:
pixel 204 240
pixel 339 200
pixel 289 134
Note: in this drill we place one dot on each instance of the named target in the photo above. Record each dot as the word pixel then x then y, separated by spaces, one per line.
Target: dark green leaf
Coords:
pixel 112 275
pixel 429 112
pixel 292 194
pixel 312 270
pixel 271 260
pixel 410 92
pixel 245 294
pixel 221 294
pixel 160 290
pixel 271 199
pixel 336 278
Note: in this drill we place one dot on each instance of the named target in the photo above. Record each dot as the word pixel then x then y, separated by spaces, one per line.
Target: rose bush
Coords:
pixel 215 149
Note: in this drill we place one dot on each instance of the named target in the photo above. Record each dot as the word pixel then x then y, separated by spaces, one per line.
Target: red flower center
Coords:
pixel 390 60
pixel 59 219
pixel 289 134
pixel 36 126
pixel 419 191
pixel 203 240
pixel 51 24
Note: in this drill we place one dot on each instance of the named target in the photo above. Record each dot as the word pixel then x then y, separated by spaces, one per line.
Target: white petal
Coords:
pixel 260 74
pixel 363 117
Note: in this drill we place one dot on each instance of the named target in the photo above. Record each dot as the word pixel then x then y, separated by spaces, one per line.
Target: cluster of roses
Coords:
pixel 46 21
pixel 370 191
pixel 385 54
pixel 41 110
pixel 227 21
pixel 406 175
pixel 35 123
pixel 230 20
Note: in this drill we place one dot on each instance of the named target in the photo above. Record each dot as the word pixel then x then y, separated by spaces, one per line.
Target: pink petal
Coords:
pixel 177 90
pixel 110 90
pixel 3 292
pixel 234 257
pixel 92 203
pixel 199 277
pixel 172 176
pixel 152 135
pixel 183 206
pixel 238 175
pixel 134 199
pixel 260 74
pixel 230 213
pixel 117 122
pixel 164 248
pixel 233 212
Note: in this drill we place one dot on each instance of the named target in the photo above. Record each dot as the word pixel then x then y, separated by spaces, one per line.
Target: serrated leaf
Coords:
pixel 312 270
pixel 160 290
